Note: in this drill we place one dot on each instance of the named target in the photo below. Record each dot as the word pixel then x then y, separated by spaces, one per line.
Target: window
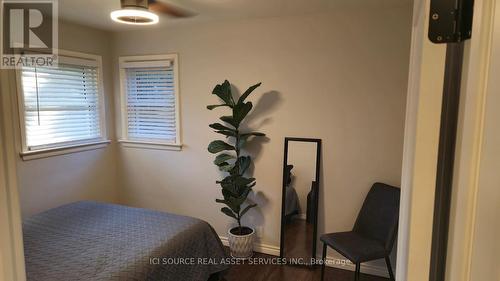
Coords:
pixel 150 101
pixel 62 106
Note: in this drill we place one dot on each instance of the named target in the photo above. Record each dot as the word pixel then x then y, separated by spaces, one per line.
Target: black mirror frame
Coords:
pixel 318 163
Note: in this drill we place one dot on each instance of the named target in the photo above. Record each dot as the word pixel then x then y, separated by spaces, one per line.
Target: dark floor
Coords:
pixel 262 272
pixel 298 239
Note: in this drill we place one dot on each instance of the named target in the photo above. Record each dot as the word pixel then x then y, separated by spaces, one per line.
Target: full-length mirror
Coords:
pixel 300 199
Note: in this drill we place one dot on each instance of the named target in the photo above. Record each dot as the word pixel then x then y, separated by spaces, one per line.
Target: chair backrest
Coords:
pixel 378 218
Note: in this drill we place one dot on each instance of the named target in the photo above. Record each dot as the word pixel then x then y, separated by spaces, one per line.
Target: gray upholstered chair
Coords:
pixel 374 231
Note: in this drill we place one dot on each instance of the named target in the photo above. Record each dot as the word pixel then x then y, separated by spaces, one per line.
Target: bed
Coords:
pixel 96 241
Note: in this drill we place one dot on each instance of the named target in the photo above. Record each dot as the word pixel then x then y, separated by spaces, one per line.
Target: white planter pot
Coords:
pixel 241 246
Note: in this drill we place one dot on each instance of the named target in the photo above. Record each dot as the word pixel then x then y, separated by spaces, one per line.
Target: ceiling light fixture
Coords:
pixel 136 16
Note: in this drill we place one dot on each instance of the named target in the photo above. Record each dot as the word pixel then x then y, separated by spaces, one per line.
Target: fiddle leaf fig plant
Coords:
pixel 229 159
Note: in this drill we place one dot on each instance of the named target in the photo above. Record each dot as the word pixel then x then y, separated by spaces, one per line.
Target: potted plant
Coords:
pixel 235 186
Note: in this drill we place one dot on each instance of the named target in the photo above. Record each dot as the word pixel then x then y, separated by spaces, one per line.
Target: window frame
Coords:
pixel 72 146
pixel 148 144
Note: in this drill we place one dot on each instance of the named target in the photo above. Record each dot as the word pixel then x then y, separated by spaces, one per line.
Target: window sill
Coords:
pixel 49 152
pixel 151 145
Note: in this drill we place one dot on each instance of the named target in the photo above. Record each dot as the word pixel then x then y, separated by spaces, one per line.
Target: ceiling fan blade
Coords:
pixel 169 9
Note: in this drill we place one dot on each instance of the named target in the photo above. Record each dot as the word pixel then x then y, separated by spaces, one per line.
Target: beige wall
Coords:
pixel 325 76
pixel 49 182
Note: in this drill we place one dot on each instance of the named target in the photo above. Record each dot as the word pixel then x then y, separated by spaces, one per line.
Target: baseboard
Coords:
pixel 365 267
pixel 258 247
pixel 331 261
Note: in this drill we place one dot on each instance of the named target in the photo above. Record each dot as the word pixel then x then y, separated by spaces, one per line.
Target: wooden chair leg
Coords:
pixel 323 258
pixel 357 272
pixel 389 268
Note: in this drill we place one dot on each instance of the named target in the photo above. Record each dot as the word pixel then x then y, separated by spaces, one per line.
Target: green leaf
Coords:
pixel 232 191
pixel 256 134
pixel 227 133
pixel 220 127
pixel 244 163
pixel 222 158
pixel 223 91
pixel 226 167
pixel 231 206
pixel 235 190
pixel 232 202
pixel 247 209
pixel 242 181
pixel 220 201
pixel 225 180
pixel 222 164
pixel 240 111
pixel 218 146
pixel 234 171
pixel 229 189
pixel 210 107
pixel 244 138
pixel 229 120
pixel 235 184
pixel 252 185
pixel 227 195
pixel 243 195
pixel 228 212
pixel 247 93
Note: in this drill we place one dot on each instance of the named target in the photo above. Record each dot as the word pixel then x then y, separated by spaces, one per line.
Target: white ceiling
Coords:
pixel 95 13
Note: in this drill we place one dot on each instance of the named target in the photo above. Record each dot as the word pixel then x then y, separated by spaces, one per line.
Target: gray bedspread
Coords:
pixel 96 241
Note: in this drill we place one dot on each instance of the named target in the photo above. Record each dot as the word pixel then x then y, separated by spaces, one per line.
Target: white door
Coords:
pixel 418 183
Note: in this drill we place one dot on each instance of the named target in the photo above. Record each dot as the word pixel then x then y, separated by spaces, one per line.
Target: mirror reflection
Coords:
pixel 300 194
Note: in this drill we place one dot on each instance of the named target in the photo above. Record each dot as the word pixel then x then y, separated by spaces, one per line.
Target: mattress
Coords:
pixel 96 241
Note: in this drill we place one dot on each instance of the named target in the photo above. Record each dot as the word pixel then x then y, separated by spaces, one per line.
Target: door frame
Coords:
pixel 420 150
pixel 11 250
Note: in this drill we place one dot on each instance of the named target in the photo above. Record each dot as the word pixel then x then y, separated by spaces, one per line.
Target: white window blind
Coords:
pixel 61 105
pixel 151 102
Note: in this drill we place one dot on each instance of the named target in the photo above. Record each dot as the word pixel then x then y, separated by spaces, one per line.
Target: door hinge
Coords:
pixel 450 21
